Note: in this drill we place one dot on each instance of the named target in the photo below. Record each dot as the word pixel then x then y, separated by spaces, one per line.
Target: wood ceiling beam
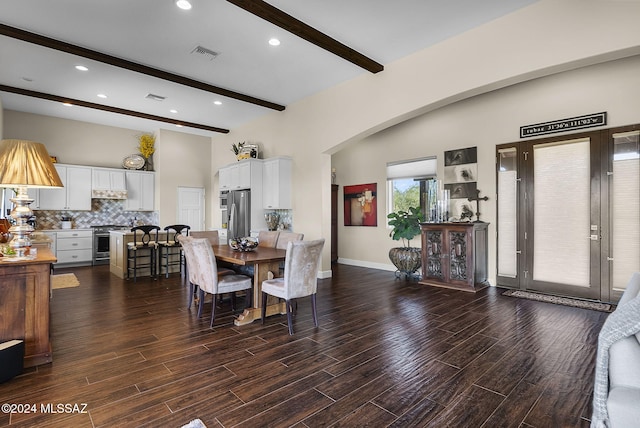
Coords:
pixel 287 22
pixel 48 42
pixel 110 109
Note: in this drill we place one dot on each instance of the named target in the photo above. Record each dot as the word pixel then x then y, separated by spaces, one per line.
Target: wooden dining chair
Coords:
pixel 203 273
pixel 169 251
pixel 300 278
pixel 142 251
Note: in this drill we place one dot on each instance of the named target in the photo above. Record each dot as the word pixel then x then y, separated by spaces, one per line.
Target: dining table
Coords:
pixel 266 265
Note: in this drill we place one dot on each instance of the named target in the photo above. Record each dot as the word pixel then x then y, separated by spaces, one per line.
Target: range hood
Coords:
pixel 109 194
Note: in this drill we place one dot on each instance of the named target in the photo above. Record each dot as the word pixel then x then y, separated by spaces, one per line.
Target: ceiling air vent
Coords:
pixel 205 53
pixel 155 97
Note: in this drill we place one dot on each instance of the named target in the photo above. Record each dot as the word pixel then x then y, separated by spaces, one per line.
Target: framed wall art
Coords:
pixel 461 179
pixel 360 205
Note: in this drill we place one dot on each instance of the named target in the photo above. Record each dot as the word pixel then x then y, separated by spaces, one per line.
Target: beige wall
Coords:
pixel 180 159
pixel 545 38
pixel 72 141
pixel 484 121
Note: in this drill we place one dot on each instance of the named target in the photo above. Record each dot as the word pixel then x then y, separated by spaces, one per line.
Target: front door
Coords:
pixel 549 225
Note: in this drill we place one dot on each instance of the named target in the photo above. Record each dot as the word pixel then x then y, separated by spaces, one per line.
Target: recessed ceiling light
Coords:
pixel 81 68
pixel 102 96
pixel 217 102
pixel 173 110
pixel 183 4
pixel 274 42
pixel 67 104
pixel 178 125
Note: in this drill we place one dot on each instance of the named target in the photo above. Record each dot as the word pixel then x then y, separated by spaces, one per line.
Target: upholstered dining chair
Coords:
pixel 214 237
pixel 283 240
pixel 300 278
pixel 143 250
pixel 203 273
pixel 285 237
pixel 268 238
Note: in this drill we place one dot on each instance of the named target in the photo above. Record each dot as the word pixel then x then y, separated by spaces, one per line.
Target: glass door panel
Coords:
pixel 564 231
pixel 508 215
pixel 561 213
pixel 624 209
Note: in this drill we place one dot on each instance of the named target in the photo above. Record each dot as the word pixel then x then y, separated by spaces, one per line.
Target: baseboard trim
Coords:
pixel 323 274
pixel 372 265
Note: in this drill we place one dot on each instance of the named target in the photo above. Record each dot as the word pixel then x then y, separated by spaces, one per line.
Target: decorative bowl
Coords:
pixel 247 243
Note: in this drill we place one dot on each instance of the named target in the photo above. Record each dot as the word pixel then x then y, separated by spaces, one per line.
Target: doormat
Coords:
pixel 64 280
pixel 566 301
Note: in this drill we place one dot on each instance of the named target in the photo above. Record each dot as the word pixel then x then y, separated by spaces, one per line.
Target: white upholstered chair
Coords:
pixel 285 237
pixel 300 278
pixel 214 238
pixel 268 238
pixel 203 273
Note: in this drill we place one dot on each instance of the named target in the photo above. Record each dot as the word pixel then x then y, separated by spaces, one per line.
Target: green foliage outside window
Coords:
pixel 406 194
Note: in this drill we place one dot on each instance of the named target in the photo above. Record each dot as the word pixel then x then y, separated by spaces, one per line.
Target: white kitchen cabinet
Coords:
pixel 140 191
pixel 276 183
pixel 244 174
pixel 76 193
pixel 224 178
pixel 74 246
pixel 109 179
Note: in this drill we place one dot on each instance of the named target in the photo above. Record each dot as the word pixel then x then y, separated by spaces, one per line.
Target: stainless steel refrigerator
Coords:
pixel 239 206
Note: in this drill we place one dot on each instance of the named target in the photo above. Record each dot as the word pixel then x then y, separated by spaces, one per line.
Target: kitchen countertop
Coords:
pixel 62 230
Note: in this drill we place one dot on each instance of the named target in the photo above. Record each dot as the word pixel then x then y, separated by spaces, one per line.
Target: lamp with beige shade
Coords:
pixel 23 165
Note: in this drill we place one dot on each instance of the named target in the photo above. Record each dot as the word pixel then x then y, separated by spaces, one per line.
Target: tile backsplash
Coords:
pixel 103 211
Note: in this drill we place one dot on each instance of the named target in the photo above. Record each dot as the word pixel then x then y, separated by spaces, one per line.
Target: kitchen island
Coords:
pixel 118 241
pixel 25 287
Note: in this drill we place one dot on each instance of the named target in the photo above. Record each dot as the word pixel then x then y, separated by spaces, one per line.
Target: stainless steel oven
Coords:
pixel 101 242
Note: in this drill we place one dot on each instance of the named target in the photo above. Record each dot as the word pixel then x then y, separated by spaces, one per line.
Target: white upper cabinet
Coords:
pixel 76 193
pixel 109 179
pixel 245 174
pixel 276 183
pixel 140 191
pixel 224 177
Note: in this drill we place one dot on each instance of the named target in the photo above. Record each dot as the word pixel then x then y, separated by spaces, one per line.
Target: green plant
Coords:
pixel 406 225
pixel 237 147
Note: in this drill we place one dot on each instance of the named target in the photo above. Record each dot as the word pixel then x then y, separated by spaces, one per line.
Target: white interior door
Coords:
pixel 191 207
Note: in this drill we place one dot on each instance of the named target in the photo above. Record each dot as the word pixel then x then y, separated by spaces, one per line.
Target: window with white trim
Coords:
pixel 408 184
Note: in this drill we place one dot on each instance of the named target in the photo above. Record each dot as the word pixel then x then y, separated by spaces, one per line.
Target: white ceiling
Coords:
pixel 156 33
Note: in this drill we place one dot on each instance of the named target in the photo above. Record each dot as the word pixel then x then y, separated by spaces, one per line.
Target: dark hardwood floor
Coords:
pixel 387 353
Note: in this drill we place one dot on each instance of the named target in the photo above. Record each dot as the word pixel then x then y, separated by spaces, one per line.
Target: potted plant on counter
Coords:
pixel 405 226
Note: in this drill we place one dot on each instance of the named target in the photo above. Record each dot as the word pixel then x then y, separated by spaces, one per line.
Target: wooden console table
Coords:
pixel 25 287
pixel 454 255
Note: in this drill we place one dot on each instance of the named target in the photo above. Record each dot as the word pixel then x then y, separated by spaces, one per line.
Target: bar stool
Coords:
pixel 142 251
pixel 171 248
